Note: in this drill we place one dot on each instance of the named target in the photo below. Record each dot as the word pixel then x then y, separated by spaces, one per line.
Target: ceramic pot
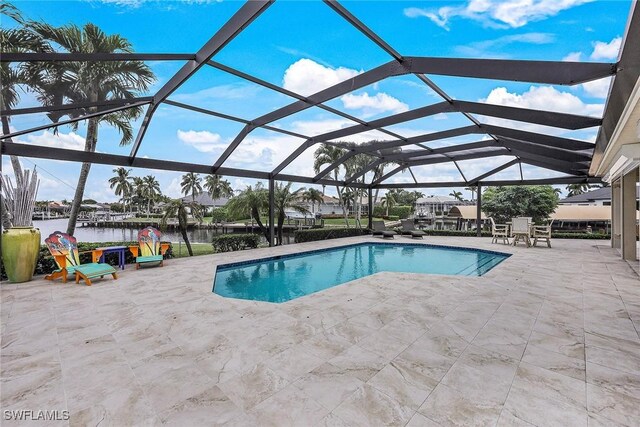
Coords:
pixel 20 248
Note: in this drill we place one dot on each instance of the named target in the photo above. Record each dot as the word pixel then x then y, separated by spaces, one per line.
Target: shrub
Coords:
pixel 402 212
pixel 313 235
pixel 46 264
pixel 219 214
pixel 392 218
pixel 235 242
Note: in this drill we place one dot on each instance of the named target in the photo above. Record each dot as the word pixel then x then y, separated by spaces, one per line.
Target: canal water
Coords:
pixel 100 234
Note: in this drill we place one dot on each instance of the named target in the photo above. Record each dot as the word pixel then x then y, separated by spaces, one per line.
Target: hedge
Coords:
pixel 46 264
pixel 313 235
pixel 401 211
pixel 235 242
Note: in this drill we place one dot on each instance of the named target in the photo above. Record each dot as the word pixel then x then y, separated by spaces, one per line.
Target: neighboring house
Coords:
pixel 437 205
pixel 597 197
pixel 204 199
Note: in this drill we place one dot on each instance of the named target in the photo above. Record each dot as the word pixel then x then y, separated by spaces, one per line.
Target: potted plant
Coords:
pixel 20 240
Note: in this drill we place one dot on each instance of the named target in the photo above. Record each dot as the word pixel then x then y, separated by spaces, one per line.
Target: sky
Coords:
pixel 305 46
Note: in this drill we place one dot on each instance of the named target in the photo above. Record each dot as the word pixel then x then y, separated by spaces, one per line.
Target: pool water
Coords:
pixel 280 279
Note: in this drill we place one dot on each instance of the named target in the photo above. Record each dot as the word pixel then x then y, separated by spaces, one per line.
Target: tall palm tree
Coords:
pixel 388 201
pixel 285 199
pixel 576 189
pixel 150 190
pixel 15 78
pixel 312 195
pixel 253 202
pixel 190 184
pixel 473 192
pixel 121 182
pixel 457 195
pixel 325 155
pixel 179 209
pixel 217 187
pixel 91 81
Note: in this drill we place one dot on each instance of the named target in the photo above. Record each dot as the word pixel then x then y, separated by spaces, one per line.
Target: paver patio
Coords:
pixel 549 337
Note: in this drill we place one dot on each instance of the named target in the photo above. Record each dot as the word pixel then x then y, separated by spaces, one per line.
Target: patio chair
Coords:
pixel 521 230
pixel 64 250
pixel 499 232
pixel 379 229
pixel 150 251
pixel 542 232
pixel 409 229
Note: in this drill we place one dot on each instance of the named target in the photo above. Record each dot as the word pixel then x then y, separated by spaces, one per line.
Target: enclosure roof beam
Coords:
pixel 93 57
pixel 552 153
pixel 238 22
pixel 74 106
pixel 546 72
pixel 494 171
pixel 544 181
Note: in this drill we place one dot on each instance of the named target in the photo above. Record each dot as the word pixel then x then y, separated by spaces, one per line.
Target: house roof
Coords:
pixel 436 199
pixel 205 199
pixel 603 193
pixel 562 213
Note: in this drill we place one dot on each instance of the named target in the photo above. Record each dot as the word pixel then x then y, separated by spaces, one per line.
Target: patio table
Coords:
pixel 99 253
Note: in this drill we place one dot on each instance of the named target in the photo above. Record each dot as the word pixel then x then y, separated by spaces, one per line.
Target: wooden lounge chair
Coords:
pixel 64 249
pixel 409 230
pixel 379 229
pixel 542 232
pixel 150 251
pixel 499 232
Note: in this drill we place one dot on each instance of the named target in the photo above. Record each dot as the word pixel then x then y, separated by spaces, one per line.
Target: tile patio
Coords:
pixel 549 337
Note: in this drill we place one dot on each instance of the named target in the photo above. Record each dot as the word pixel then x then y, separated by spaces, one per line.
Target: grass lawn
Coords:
pixel 339 222
pixel 180 250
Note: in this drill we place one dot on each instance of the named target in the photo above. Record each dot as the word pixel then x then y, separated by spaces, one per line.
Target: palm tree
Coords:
pixel 91 81
pixel 15 40
pixel 285 199
pixel 178 209
pixel 190 184
pixel 122 183
pixel 150 190
pixel 325 155
pixel 217 187
pixel 252 202
pixel 473 192
pixel 575 189
pixel 388 201
pixel 312 195
pixel 457 195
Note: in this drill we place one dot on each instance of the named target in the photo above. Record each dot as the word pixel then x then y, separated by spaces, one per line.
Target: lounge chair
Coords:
pixel 150 251
pixel 64 249
pixel 409 230
pixel 378 229
pixel 521 230
pixel 542 232
pixel 499 232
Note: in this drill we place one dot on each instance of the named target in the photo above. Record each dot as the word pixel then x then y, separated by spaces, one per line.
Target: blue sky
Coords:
pixel 305 46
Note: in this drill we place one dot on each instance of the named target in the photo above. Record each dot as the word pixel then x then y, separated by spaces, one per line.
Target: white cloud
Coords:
pixel 495 14
pixel 307 77
pixel 480 48
pixel 71 140
pixel 598 88
pixel 604 50
pixel 372 105
pixel 545 98
pixel 229 91
pixel 573 57
pixel 203 141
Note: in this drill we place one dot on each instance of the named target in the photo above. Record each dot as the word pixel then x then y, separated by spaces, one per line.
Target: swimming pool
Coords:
pixel 283 278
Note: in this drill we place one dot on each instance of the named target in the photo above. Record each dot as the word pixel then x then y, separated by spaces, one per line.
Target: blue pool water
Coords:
pixel 280 279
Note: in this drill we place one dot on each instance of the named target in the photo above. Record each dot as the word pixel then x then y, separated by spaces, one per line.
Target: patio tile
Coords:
pixel 293 363
pixel 175 385
pixel 404 384
pixel 450 407
pixel 570 347
pixel 328 385
pixel 555 362
pixel 611 379
pixel 360 363
pixel 620 408
pixel 368 406
pixel 249 389
pixel 419 420
pixel 384 344
pixel 289 407
pixel 211 407
pixel 550 385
